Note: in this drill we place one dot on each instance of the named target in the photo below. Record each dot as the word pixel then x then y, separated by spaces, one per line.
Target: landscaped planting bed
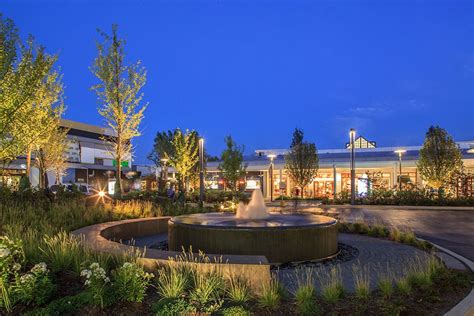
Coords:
pixel 45 271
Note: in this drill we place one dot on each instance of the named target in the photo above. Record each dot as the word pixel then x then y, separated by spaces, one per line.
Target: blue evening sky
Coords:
pixel 257 69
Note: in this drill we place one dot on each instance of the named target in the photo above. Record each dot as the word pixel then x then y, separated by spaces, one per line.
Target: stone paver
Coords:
pixel 377 256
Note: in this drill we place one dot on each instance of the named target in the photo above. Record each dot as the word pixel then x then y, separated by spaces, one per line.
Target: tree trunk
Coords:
pixel 302 189
pixel 118 176
pixel 28 162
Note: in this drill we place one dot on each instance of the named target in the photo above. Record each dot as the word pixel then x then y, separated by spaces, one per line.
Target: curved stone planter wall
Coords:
pixel 105 238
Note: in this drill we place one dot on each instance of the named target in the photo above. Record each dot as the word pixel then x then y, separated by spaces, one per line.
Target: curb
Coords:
pixel 466 306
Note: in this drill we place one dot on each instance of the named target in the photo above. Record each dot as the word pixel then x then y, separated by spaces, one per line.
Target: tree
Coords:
pixel 162 147
pixel 440 158
pixel 119 93
pixel 231 165
pixel 21 82
pixel 185 154
pixel 302 161
pixel 51 155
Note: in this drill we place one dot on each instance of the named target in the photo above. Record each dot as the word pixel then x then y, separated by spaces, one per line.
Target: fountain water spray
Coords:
pixel 256 209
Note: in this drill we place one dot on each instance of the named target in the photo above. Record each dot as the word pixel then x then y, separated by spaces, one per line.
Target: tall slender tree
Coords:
pixel 440 158
pixel 185 155
pixel 302 161
pixel 231 165
pixel 120 97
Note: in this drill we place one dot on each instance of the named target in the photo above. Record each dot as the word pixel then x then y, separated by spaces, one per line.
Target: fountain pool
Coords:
pixel 253 230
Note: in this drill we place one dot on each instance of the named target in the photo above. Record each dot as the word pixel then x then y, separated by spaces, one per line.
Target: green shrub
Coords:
pixel 67 305
pixel 173 307
pixel 12 257
pixel 34 287
pixel 172 282
pixel 270 297
pixel 238 291
pixel 97 284
pixel 131 282
pixel 234 311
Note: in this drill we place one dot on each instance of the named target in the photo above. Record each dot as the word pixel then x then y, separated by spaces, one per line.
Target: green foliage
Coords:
pixel 67 305
pixel 207 291
pixel 63 251
pixel 12 257
pixel 173 307
pixel 385 285
pixel 172 282
pixel 331 286
pixel 305 292
pixel 24 184
pixel 186 154
pixel 238 291
pixel 34 287
pixel 302 162
pixel 234 311
pixel 131 282
pixel 97 283
pixel 403 285
pixel 361 277
pixel 231 166
pixel 440 157
pixel 270 297
pixel 119 92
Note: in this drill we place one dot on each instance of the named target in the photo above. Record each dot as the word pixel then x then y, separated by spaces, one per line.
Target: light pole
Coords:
pixel 271 156
pixel 400 152
pixel 201 171
pixel 352 138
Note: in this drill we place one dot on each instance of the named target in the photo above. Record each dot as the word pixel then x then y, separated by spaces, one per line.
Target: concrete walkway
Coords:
pixel 452 229
pixel 376 257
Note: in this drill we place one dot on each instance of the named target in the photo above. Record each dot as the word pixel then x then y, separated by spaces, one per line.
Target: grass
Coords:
pixel 238 291
pixel 207 288
pixel 361 281
pixel 306 292
pixel 270 297
pixel 385 284
pixel 172 282
pixel 332 289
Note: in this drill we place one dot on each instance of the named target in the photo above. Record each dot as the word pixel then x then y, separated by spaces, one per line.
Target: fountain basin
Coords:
pixel 280 238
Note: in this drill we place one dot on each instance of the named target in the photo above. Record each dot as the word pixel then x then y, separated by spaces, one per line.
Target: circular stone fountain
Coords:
pixel 280 238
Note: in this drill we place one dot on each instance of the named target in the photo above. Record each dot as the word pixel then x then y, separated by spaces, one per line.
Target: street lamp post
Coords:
pixel 352 139
pixel 400 152
pixel 271 156
pixel 201 170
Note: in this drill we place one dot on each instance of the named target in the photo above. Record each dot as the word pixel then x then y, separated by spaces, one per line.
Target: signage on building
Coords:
pixel 123 163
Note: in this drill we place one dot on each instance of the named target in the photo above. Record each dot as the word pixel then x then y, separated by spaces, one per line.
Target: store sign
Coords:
pixel 123 163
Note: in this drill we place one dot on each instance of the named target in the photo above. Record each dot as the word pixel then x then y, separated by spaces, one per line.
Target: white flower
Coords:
pixel 4 252
pixel 86 273
pixel 87 282
pixel 127 265
pixel 16 267
pixel 94 265
pixel 106 280
pixel 40 268
pixel 27 278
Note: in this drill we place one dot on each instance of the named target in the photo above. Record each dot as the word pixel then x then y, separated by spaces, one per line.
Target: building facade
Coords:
pixel 334 175
pixel 89 161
